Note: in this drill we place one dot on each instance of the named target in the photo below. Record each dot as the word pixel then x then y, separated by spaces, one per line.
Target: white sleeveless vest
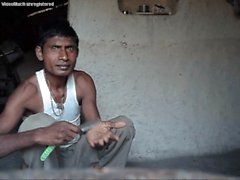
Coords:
pixel 71 111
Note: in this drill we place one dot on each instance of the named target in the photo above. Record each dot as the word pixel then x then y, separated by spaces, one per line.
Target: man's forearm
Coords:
pixel 13 142
pixel 85 127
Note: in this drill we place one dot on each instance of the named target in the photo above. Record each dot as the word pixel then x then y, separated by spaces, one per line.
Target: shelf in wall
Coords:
pixel 148 7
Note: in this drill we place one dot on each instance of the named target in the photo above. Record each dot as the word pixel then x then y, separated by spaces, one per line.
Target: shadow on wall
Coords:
pixel 225 163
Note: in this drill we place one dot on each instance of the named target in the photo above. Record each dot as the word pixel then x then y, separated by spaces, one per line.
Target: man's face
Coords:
pixel 59 55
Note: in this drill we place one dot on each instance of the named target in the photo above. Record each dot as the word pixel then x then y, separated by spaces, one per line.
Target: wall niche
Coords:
pixel 148 7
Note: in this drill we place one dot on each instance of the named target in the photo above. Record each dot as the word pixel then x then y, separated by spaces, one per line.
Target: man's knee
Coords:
pixel 128 130
pixel 36 121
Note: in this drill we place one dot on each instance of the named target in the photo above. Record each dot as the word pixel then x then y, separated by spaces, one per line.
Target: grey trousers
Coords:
pixel 80 154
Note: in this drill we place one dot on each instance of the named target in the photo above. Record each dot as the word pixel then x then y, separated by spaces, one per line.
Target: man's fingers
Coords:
pixel 101 142
pixel 92 144
pixel 102 135
pixel 114 137
pixel 117 124
pixel 106 139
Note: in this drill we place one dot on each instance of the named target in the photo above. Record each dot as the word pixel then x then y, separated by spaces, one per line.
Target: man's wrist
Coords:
pixel 36 136
pixel 85 127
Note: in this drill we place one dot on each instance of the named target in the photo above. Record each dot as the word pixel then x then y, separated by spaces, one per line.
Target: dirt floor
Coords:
pixel 215 166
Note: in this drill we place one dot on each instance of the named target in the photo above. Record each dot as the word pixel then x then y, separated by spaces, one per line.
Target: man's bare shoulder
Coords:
pixel 84 84
pixel 25 97
pixel 30 84
pixel 27 88
pixel 82 77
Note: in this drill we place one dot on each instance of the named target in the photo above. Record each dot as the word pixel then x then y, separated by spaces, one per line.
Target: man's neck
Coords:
pixel 55 82
pixel 57 87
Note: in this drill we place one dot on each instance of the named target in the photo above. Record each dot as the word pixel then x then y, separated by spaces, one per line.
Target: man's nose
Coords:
pixel 63 54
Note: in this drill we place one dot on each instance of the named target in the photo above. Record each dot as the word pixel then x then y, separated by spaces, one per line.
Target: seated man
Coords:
pixel 53 100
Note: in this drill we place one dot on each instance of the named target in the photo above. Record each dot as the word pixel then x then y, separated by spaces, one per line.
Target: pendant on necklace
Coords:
pixel 60 106
pixel 59 109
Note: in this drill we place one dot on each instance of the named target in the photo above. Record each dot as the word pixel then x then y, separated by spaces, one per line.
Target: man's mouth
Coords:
pixel 63 67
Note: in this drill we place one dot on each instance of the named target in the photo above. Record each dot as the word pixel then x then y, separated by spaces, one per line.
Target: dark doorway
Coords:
pixel 19 21
pixel 18 28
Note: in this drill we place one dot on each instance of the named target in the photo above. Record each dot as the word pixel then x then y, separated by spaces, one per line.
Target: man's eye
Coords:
pixel 71 48
pixel 55 47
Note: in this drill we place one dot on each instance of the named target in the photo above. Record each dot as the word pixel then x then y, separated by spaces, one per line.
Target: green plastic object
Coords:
pixel 46 153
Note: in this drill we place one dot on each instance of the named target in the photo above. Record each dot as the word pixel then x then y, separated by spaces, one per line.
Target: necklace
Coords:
pixel 57 107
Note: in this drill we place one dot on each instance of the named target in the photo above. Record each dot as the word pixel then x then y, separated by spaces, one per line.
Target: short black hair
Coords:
pixel 56 27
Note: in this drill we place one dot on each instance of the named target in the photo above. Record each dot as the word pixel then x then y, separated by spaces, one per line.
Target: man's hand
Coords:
pixel 56 134
pixel 101 135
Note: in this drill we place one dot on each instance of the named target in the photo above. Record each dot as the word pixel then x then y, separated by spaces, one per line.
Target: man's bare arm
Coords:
pixel 56 134
pixel 24 96
pixel 13 142
pixel 100 134
pixel 86 92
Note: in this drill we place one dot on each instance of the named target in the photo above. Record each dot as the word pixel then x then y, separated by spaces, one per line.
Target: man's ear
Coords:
pixel 38 52
pixel 77 52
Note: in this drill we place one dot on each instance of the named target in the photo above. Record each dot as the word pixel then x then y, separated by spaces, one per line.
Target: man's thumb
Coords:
pixel 118 124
